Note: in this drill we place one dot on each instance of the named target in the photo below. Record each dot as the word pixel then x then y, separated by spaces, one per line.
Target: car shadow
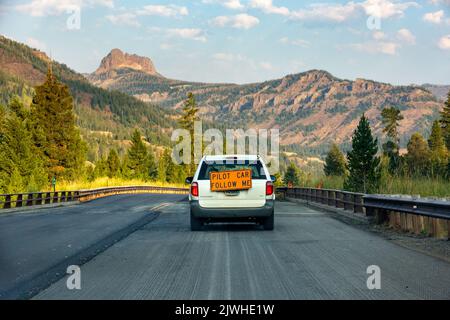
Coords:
pixel 232 227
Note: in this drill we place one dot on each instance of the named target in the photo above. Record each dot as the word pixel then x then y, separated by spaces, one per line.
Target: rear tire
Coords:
pixel 268 223
pixel 196 223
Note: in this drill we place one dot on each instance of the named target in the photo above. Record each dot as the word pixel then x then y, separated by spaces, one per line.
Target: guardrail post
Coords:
pixel 358 204
pixel 7 203
pixel 55 197
pixel 70 197
pixel 63 196
pixel 39 199
pixel 30 200
pixel 19 201
pixel 48 198
pixel 330 200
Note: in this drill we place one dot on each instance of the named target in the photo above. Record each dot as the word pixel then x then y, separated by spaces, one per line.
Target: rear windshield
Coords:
pixel 229 165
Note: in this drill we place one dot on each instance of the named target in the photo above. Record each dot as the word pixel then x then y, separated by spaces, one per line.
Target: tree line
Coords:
pixel 364 167
pixel 41 142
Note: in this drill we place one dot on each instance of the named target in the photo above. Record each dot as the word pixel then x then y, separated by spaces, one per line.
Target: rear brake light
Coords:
pixel 269 188
pixel 194 189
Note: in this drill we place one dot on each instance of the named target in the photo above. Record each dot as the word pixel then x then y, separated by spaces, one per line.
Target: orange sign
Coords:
pixel 231 180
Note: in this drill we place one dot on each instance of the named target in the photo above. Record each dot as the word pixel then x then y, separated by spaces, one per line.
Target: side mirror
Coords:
pixel 273 178
pixel 189 180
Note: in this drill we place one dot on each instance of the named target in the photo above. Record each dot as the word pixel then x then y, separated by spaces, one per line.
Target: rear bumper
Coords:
pixel 225 213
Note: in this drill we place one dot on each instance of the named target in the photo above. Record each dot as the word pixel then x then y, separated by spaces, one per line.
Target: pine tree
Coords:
pixel 163 165
pixel 445 122
pixel 363 164
pixel 418 156
pixel 20 169
pixel 334 162
pixel 55 134
pixel 438 151
pixel 390 119
pixel 137 156
pixel 292 175
pixel 152 168
pixel 113 163
pixel 189 116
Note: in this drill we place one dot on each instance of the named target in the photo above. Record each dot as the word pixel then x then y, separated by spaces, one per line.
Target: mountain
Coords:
pixel 440 91
pixel 117 59
pixel 311 109
pixel 105 117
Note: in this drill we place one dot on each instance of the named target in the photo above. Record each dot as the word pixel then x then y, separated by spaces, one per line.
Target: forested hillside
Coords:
pixel 106 118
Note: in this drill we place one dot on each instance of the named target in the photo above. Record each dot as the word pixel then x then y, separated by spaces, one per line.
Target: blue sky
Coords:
pixel 242 41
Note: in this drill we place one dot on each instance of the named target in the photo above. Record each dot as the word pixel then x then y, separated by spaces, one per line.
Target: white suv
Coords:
pixel 252 203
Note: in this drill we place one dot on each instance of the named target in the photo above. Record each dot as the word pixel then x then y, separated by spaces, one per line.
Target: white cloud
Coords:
pixel 384 47
pixel 342 12
pixel 239 21
pixel 327 12
pixel 404 35
pixel 124 19
pixel 36 44
pixel 434 17
pixel 444 42
pixel 39 8
pixel 163 10
pixel 230 4
pixel 379 35
pixel 192 34
pixel 267 6
pixel 387 9
pixel 233 4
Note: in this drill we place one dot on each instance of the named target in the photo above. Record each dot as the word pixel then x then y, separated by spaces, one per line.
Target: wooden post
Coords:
pixel 48 198
pixel 19 201
pixel 30 199
pixel 7 203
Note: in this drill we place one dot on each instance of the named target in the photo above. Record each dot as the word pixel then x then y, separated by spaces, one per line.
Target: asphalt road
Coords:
pixel 310 255
pixel 37 246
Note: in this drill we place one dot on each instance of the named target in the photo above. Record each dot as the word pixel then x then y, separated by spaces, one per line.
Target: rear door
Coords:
pixel 252 198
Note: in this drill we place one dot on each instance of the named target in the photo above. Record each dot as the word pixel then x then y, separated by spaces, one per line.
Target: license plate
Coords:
pixel 231 180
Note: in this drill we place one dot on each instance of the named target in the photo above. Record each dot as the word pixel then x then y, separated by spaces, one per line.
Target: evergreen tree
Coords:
pixel 113 163
pixel 363 164
pixel 445 122
pixel 390 119
pixel 438 151
pixel 20 169
pixel 141 161
pixel 137 156
pixel 152 168
pixel 189 116
pixel 163 165
pixel 334 162
pixel 101 168
pixel 55 134
pixel 418 156
pixel 292 175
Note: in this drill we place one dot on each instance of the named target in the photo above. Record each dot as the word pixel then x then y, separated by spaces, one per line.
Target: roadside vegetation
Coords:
pixel 41 143
pixel 423 170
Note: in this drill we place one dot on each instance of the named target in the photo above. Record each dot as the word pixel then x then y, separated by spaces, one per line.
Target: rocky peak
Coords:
pixel 117 59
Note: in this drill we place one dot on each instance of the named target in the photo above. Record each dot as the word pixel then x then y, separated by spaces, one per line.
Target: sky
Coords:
pixel 244 41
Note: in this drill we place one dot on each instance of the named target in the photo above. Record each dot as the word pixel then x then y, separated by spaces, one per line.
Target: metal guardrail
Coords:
pixel 370 205
pixel 334 198
pixel 429 208
pixel 19 200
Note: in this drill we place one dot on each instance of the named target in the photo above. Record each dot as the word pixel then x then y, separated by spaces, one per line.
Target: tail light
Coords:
pixel 194 189
pixel 269 188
